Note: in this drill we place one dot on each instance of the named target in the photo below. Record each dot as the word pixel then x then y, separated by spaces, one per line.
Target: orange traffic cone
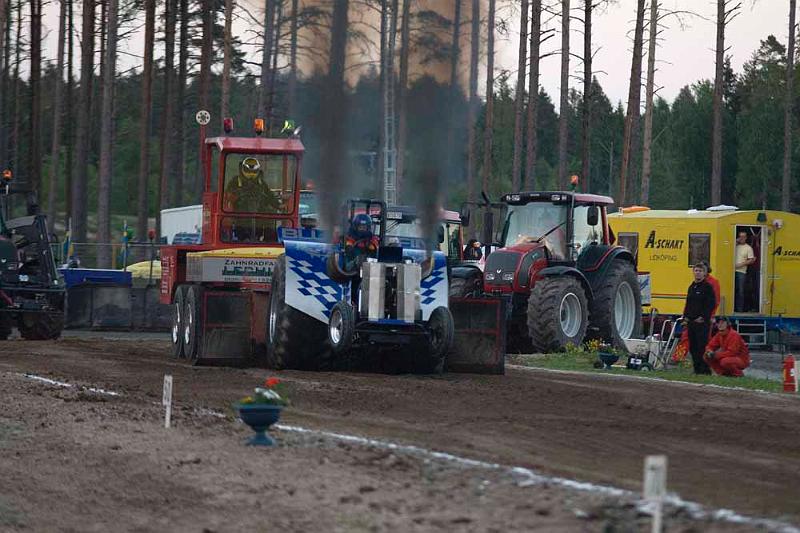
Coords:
pixel 789 374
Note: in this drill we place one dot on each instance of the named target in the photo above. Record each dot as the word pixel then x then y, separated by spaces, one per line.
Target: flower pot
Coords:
pixel 259 417
pixel 608 359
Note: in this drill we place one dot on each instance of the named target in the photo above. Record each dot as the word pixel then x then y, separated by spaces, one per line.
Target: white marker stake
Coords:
pixel 166 399
pixel 655 485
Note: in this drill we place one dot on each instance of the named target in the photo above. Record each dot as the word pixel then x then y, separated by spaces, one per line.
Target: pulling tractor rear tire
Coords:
pixel 294 339
pixel 40 326
pixel 557 314
pixel 177 331
pixel 441 332
pixel 192 323
pixel 6 325
pixel 617 305
pixel 467 287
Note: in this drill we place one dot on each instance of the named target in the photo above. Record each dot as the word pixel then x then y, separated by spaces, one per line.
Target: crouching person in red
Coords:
pixel 727 353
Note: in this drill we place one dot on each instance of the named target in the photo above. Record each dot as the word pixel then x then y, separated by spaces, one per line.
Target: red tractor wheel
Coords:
pixel 617 305
pixel 558 314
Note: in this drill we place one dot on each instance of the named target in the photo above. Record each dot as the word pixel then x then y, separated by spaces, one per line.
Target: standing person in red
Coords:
pixel 700 303
pixel 727 353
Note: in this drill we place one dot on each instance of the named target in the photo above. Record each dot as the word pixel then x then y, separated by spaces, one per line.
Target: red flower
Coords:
pixel 271 382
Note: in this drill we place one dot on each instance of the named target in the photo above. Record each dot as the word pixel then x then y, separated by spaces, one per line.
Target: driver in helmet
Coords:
pixel 360 242
pixel 247 192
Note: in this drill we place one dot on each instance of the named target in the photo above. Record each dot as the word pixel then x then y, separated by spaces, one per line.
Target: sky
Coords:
pixel 684 56
pixel 685 53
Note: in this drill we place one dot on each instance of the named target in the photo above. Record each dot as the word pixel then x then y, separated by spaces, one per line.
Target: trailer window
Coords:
pixel 259 183
pixel 630 241
pixel 699 248
pixel 452 242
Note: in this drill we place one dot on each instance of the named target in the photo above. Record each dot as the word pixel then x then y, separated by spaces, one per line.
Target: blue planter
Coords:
pixel 608 359
pixel 259 417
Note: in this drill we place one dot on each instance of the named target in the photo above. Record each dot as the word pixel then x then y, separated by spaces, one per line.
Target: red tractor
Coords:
pixel 220 288
pixel 564 277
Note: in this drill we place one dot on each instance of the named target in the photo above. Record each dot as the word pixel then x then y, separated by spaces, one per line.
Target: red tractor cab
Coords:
pixel 564 277
pixel 220 287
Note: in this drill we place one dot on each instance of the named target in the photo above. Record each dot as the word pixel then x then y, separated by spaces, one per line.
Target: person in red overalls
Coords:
pixel 727 353
pixel 360 242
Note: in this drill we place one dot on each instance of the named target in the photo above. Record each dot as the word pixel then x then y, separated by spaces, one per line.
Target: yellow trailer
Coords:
pixel 666 244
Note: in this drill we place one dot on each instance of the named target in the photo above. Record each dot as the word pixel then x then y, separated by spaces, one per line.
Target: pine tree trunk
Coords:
pixel 332 146
pixel 226 61
pixel 532 147
pixel 588 96
pixel 786 196
pixel 634 100
pixel 273 78
pixel 292 84
pixel 472 102
pixel 82 134
pixel 402 94
pixel 266 59
pixel 13 151
pixel 647 148
pixel 488 129
pixel 455 53
pixel 97 89
pixel 144 127
pixel 519 97
pixel 563 123
pixel 178 194
pixel 716 156
pixel 69 143
pixel 167 134
pixel 35 73
pixel 55 150
pixel 384 31
pixel 107 140
pixel 206 57
pixel 3 74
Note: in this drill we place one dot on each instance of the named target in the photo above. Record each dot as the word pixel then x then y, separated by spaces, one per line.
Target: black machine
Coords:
pixel 31 293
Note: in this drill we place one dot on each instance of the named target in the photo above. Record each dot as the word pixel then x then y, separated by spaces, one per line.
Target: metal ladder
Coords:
pixel 753 331
pixel 389 149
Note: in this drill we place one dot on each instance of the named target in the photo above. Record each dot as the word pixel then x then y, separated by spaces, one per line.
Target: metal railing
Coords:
pixel 85 254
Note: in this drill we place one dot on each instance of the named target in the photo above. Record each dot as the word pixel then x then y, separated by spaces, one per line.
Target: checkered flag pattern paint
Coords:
pixel 321 287
pixel 428 286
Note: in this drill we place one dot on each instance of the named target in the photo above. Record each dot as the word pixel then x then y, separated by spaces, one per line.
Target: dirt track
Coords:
pixel 82 461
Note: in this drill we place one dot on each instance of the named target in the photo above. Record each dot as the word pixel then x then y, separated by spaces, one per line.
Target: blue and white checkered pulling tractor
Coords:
pixel 373 287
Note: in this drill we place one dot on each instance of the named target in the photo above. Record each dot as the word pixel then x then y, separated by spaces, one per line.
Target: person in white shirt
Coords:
pixel 744 258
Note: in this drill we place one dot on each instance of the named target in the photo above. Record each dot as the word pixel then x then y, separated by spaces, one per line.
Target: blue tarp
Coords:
pixel 78 276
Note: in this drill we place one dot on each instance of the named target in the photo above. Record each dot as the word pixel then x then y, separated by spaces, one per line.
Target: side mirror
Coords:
pixel 593 215
pixel 440 235
pixel 464 215
pixel 488 226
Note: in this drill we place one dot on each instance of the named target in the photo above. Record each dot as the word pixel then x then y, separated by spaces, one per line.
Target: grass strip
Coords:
pixel 584 362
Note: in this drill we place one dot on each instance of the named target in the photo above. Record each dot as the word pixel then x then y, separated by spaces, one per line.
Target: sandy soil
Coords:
pixel 76 460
